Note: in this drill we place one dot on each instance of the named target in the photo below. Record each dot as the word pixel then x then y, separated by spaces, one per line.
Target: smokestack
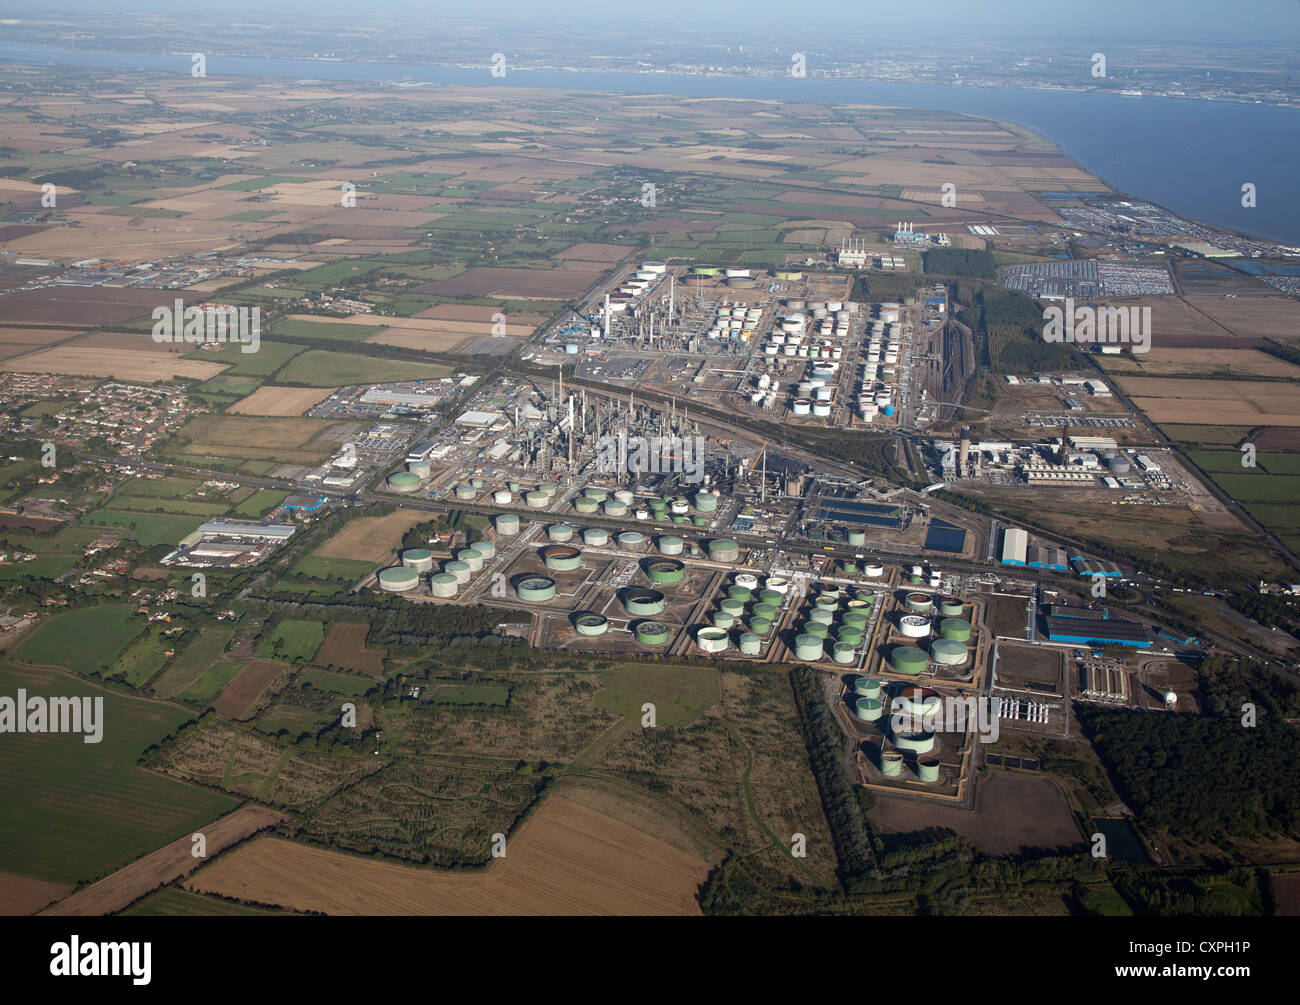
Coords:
pixel 607 316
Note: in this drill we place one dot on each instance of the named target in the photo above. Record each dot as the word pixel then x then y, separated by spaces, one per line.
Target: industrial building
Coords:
pixel 1015 546
pixel 1088 626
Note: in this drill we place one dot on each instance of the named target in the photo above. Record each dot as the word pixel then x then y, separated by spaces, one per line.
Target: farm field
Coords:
pixel 147 528
pixel 75 811
pixel 281 401
pixel 370 539
pixel 566 859
pixel 200 654
pixel 212 681
pixel 166 865
pixel 345 648
pixel 241 696
pixel 172 902
pixel 293 640
pixel 1012 811
pixel 322 369
pixel 85 641
pixel 141 367
pixel 1210 361
pixel 1235 402
pixel 315 567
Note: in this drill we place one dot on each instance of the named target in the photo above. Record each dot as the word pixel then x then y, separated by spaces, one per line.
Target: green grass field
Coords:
pixel 471 694
pixel 147 528
pixel 270 356
pixel 158 488
pixel 318 368
pixel 173 902
pixel 43 567
pixel 212 681
pixel 267 181
pixel 197 656
pixel 293 640
pixel 321 330
pixel 74 811
pixel 315 567
pixel 352 685
pixel 82 641
pixel 679 694
pixel 261 503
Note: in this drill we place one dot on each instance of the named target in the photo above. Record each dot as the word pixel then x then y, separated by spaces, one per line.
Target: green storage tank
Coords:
pixel 591 624
pixel 816 630
pixel 950 607
pixel 721 619
pixel 750 644
pixel 868 709
pixel 403 481
pixel 821 616
pixel 857 537
pixel 808 647
pixel 948 652
pixel 854 619
pixel 867 687
pixel 908 660
pixel 651 633
pixel 665 571
pixel 561 557
pixel 398 579
pixel 733 607
pixel 765 611
pixel 706 502
pixel 927 768
pixel 641 602
pixel 740 593
pixel 954 628
pixel 760 626
pixel 536 589
pixel 843 652
pixel 891 764
pixel 724 550
pixel 853 636
pixel 770 597
pixel 586 505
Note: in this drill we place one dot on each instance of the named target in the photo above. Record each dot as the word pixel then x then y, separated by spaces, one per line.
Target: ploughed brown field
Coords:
pixel 170 862
pixel 345 647
pixel 566 859
pixel 25 895
pixel 239 699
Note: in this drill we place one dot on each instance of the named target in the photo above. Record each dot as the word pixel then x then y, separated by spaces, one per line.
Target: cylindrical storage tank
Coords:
pixel 917 701
pixel 595 492
pixel 560 532
pixel 443 585
pixel 651 633
pixel 954 628
pixel 680 507
pixel 669 545
pixel 769 596
pixel 808 647
pixel 736 607
pixel 665 571
pixel 561 557
pixel 591 624
pixel 915 579
pixel 951 608
pixel 514 487
pixel 460 570
pixel 471 558
pixel 706 502
pixel 641 602
pixel 914 626
pixel 624 496
pixel 760 625
pixel 873 570
pixel 537 500
pixel 615 508
pixel 507 524
pixel 419 559
pixel 631 540
pixel 502 497
pixel 918 742
pixel 398 579
pixel 855 619
pixel 802 406
pixel 403 481
pixel 421 469
pixel 857 537
pixel 853 636
pixel 739 593
pixel 596 537
pixel 779 584
pixel 927 768
pixel 585 505
pixel 828 600
pixel 476 484
pixel 466 491
pixel 817 629
pixel 867 687
pixel 762 610
pixel 750 644
pixel 868 709
pixel 485 548
pixel 723 620
pixel 908 660
pixel 711 640
pixel 821 409
pixel 948 652
pixel 724 551
pixel 747 580
pixel 843 653
pixel 820 616
pixel 891 764
pixel 536 589
pixel 920 603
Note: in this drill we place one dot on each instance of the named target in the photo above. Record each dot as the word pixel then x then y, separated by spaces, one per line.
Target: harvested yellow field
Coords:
pixel 1232 362
pixel 1231 402
pixel 567 859
pixel 25 895
pixel 144 367
pixel 370 538
pixel 281 401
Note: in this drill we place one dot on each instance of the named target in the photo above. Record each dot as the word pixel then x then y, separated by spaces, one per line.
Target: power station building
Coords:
pixel 1015 546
